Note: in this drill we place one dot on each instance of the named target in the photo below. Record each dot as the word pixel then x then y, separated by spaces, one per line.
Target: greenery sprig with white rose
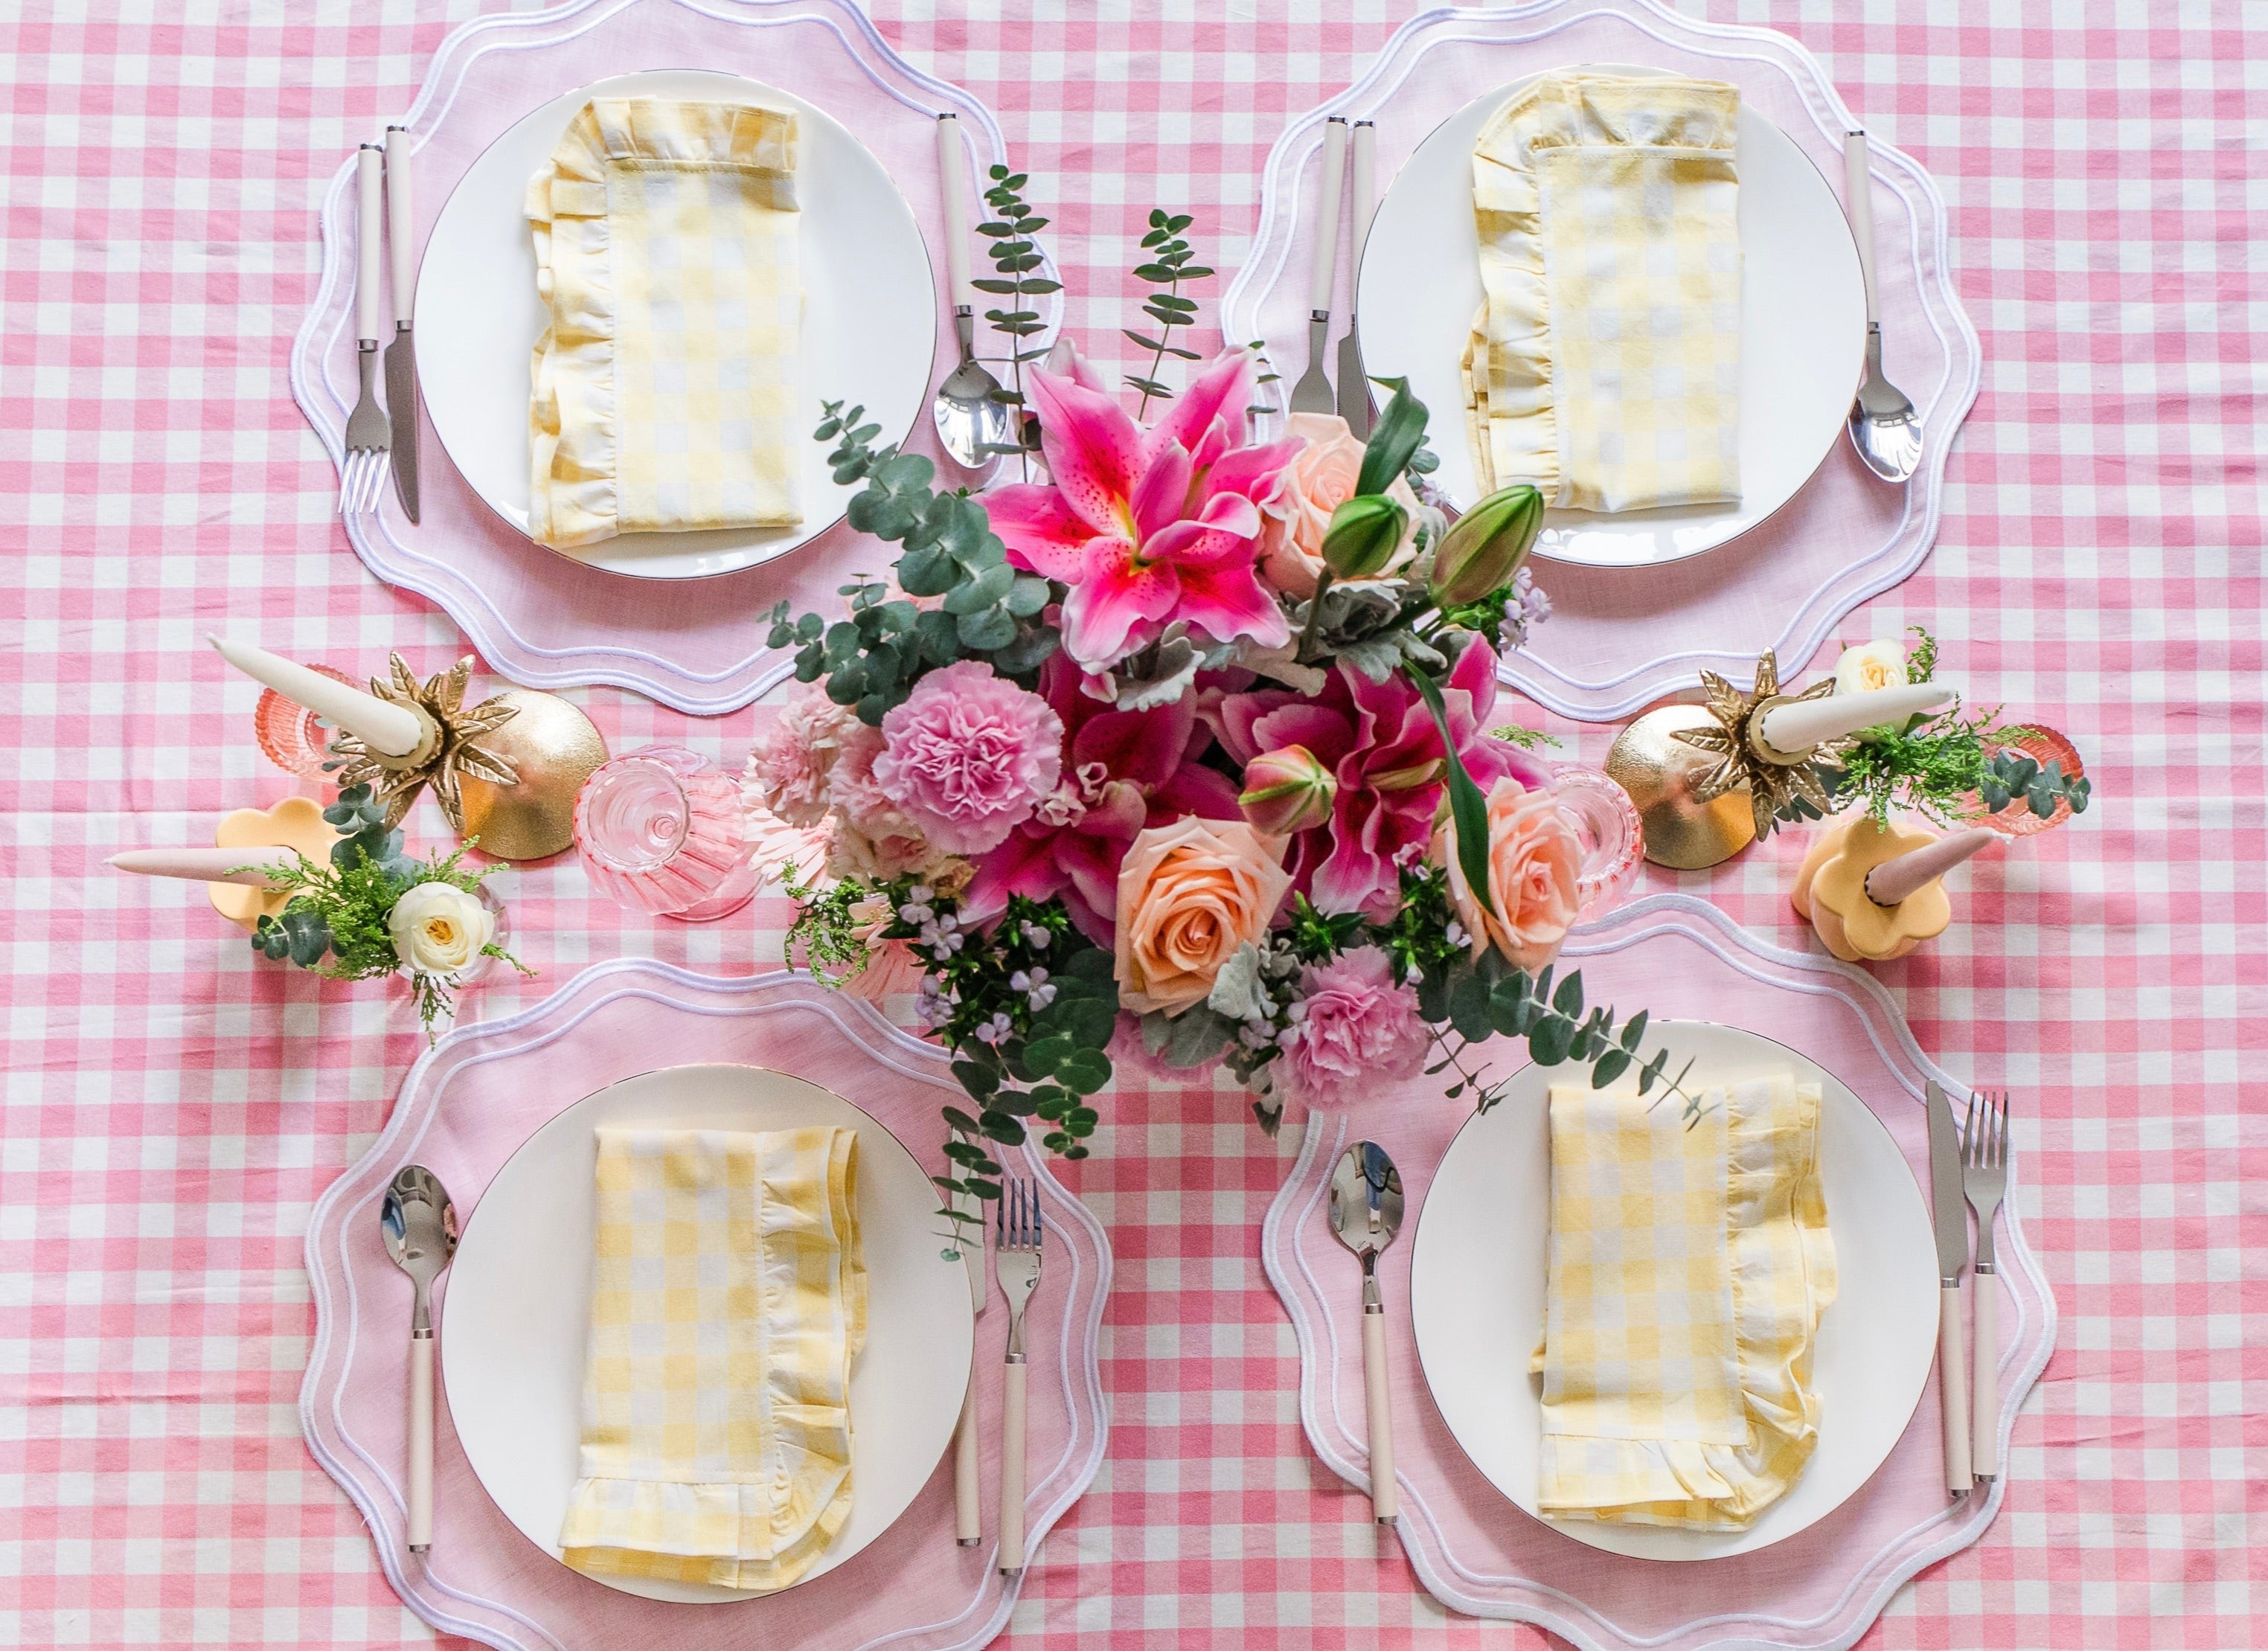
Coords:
pixel 372 911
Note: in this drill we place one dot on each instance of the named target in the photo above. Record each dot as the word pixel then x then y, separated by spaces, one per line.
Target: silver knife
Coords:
pixel 1952 1217
pixel 401 353
pixel 968 1520
pixel 1353 387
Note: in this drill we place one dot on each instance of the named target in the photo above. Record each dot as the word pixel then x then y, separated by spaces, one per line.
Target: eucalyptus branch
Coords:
pixel 1168 264
pixel 1015 251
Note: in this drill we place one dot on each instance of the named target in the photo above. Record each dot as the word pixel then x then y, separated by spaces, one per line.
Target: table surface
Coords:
pixel 174 1106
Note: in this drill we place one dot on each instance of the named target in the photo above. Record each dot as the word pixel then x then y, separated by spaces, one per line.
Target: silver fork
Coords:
pixel 1016 1264
pixel 364 474
pixel 1983 1178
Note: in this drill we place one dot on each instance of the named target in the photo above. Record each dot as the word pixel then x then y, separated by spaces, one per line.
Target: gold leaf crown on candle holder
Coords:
pixel 1775 779
pixel 453 746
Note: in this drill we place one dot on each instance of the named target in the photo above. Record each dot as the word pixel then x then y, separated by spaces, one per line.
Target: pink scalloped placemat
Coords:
pixel 1476 1552
pixel 1621 638
pixel 465 1108
pixel 536 616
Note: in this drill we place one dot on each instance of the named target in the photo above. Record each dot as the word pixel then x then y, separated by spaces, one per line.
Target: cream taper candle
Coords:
pixel 1899 880
pixel 1800 724
pixel 208 865
pixel 393 730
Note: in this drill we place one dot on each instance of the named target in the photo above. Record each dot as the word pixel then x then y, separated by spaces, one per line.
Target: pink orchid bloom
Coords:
pixel 1144 529
pixel 1385 750
pixel 1122 771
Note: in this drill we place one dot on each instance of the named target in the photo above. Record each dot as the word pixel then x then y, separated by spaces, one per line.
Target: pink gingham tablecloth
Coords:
pixel 173 1108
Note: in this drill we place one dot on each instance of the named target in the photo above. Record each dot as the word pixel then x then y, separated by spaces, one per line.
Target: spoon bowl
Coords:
pixel 1365 1207
pixel 1884 428
pixel 972 421
pixel 420 1228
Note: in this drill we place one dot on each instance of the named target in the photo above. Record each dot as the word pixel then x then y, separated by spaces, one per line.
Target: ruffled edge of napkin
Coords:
pixel 1512 419
pixel 761 1534
pixel 1776 1220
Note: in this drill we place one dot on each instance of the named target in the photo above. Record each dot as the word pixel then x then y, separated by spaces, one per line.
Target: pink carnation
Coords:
pixel 788 770
pixel 1361 1027
pixel 968 756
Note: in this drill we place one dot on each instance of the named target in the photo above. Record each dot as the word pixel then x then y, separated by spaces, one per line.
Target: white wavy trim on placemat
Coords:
pixel 372 1486
pixel 325 392
pixel 1802 633
pixel 1329 1421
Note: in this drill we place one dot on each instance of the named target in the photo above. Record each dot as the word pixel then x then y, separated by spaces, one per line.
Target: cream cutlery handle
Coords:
pixel 1988 1409
pixel 1324 272
pixel 1953 1389
pixel 1365 203
pixel 421 1442
pixel 952 173
pixel 370 181
pixel 401 223
pixel 967 1519
pixel 1012 1469
pixel 1385 1500
pixel 1859 190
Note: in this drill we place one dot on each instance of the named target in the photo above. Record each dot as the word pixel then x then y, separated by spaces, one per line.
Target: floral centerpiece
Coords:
pixel 372 911
pixel 1180 757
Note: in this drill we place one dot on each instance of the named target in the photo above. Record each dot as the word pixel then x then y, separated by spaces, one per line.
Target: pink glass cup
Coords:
pixel 661 830
pixel 292 736
pixel 1607 826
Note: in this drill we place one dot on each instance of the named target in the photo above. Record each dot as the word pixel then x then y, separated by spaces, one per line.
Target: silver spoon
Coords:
pixel 1883 425
pixel 1366 1213
pixel 420 1225
pixel 971 418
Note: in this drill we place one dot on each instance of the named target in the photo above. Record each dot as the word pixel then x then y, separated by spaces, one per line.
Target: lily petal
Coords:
pixel 1041 531
pixel 1221 391
pixel 1094 451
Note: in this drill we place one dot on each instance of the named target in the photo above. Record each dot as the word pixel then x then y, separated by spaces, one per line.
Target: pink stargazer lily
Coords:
pixel 1147 527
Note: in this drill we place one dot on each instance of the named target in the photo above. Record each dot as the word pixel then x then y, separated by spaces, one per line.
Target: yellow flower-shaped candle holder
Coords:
pixel 1876 892
pixel 296 823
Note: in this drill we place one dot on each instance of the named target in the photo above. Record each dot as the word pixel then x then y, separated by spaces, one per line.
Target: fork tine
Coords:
pixel 1968 1136
pixel 1039 1221
pixel 2000 1133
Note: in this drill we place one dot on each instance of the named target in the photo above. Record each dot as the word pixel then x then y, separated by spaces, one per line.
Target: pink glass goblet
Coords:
pixel 661 830
pixel 2043 746
pixel 292 736
pixel 1607 825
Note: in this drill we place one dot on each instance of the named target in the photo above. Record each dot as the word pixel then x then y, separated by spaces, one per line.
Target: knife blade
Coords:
pixel 1951 1211
pixel 401 353
pixel 1354 384
pixel 968 1516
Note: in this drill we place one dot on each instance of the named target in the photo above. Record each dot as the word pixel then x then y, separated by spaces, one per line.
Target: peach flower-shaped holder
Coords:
pixel 296 823
pixel 1876 892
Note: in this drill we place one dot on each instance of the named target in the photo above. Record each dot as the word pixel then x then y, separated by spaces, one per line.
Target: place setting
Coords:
pixel 1714 487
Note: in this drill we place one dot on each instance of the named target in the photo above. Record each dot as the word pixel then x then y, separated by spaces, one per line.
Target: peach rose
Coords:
pixel 1188 895
pixel 1533 864
pixel 1319 479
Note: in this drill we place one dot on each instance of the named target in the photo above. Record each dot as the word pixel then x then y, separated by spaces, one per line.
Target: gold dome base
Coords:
pixel 553 748
pixel 1660 774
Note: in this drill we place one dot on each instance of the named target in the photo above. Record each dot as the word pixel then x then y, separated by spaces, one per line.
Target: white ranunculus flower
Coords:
pixel 439 929
pixel 1880 663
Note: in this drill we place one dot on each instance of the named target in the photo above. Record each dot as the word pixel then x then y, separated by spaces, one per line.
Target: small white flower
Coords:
pixel 439 929
pixel 1036 937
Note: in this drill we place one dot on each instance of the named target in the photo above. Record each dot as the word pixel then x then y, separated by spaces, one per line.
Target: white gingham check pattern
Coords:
pixel 174 1106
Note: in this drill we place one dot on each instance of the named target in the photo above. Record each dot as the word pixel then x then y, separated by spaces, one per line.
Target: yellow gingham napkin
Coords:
pixel 1688 1267
pixel 1604 364
pixel 727 1305
pixel 665 392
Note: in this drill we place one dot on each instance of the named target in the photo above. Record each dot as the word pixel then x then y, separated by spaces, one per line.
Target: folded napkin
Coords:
pixel 1688 1267
pixel 728 1304
pixel 1604 364
pixel 664 384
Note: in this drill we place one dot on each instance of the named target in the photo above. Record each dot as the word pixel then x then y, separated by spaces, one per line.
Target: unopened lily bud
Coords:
pixel 1483 550
pixel 1287 790
pixel 1364 535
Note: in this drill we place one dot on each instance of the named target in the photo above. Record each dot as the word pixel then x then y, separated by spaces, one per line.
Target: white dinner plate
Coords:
pixel 1476 1292
pixel 869 318
pixel 516 1314
pixel 1803 330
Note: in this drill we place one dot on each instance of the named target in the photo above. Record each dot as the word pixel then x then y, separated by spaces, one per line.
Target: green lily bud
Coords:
pixel 1485 549
pixel 1364 535
pixel 1287 790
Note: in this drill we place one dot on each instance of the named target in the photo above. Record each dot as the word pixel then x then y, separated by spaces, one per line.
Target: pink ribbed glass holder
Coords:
pixel 1607 825
pixel 2043 746
pixel 661 830
pixel 292 736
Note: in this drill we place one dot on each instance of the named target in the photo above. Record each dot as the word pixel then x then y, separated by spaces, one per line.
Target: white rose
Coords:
pixel 1880 663
pixel 438 929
